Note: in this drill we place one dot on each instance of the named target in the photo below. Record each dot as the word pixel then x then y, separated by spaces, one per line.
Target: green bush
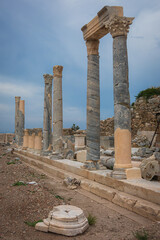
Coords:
pixel 19 183
pixel 91 219
pixel 74 127
pixel 149 92
pixel 32 224
pixel 141 235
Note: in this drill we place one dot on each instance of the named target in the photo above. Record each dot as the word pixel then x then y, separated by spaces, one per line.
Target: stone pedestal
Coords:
pixel 25 138
pixel 57 107
pixel 118 27
pixel 93 106
pixel 64 219
pixel 47 117
pixel 21 122
pixel 79 141
pixel 17 100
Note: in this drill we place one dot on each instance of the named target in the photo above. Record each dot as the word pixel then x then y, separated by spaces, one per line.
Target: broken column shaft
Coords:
pixel 47 117
pixel 17 100
pixel 21 122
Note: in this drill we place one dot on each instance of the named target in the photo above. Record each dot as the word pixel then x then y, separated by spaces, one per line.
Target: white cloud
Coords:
pixel 144 35
pixel 11 87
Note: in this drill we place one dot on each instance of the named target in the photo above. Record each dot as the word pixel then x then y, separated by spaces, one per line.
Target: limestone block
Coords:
pixel 147 209
pixel 66 220
pixel 124 201
pixel 41 227
pixel 133 173
pixel 103 191
pixel 81 156
pixel 79 141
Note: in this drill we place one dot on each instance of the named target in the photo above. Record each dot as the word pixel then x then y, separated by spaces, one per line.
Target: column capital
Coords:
pixel 57 71
pixel 48 78
pixel 92 47
pixel 17 99
pixel 118 26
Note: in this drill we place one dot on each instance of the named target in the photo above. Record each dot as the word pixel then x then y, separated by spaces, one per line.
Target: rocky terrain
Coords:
pixel 27 195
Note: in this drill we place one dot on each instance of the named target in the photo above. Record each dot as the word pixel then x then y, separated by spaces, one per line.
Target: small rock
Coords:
pixel 109 152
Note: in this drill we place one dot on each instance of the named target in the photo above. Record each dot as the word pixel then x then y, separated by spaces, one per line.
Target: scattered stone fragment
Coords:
pixel 157 155
pixel 72 183
pixel 32 183
pixel 64 219
pixel 149 168
pixel 109 152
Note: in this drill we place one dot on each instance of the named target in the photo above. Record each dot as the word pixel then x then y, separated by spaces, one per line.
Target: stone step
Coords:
pixel 120 198
pixel 138 188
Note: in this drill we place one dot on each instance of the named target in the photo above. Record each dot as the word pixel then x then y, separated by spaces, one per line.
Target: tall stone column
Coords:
pixel 21 122
pixel 57 107
pixel 119 27
pixel 93 106
pixel 17 100
pixel 25 139
pixel 47 117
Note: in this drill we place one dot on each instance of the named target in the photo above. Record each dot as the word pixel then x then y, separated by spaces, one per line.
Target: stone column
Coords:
pixel 119 27
pixel 38 140
pixel 21 122
pixel 47 117
pixel 93 106
pixel 17 100
pixel 57 107
pixel 25 138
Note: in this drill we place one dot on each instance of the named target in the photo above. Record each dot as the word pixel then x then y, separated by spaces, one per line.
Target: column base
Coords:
pixel 130 173
pixel 91 165
pixel 122 166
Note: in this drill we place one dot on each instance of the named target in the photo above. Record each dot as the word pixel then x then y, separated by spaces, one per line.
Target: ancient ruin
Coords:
pixel 19 120
pixel 64 219
pixel 57 108
pixel 103 164
pixel 47 117
pixel 108 20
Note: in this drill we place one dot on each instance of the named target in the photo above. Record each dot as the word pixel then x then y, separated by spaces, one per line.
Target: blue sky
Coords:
pixel 35 35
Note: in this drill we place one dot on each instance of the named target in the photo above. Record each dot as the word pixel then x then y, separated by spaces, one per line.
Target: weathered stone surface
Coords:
pixel 17 100
pixel 122 116
pixel 147 209
pixel 108 162
pixel 95 29
pixel 149 168
pixel 93 104
pixel 109 152
pixel 21 112
pixel 133 173
pixel 47 116
pixel 124 201
pixel 157 155
pixel 66 220
pixel 57 107
pixel 82 156
pixel 42 227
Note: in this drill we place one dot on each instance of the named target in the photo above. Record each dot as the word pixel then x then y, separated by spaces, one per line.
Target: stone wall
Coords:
pixel 142 114
pixel 7 137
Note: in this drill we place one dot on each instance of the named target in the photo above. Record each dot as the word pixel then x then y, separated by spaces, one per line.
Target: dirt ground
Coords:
pixel 29 203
